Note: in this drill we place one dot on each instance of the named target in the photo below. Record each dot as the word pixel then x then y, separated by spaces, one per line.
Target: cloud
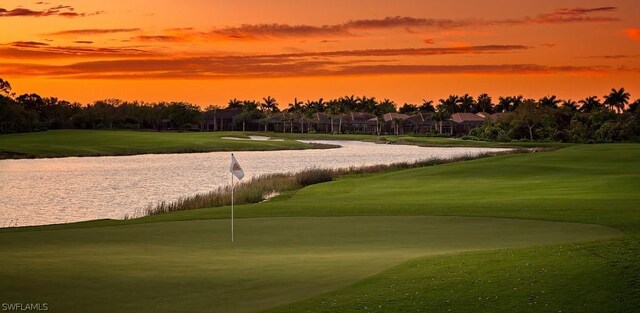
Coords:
pixel 513 69
pixel 612 57
pixel 351 28
pixel 327 63
pixel 60 10
pixel 633 33
pixel 28 44
pixel 159 38
pixel 573 15
pixel 488 49
pixel 204 68
pixel 94 31
pixel 39 50
pixel 83 41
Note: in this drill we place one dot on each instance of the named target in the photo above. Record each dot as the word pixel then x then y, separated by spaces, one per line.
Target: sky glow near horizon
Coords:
pixel 207 52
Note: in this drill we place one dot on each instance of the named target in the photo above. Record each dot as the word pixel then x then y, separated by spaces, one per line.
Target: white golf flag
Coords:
pixel 235 168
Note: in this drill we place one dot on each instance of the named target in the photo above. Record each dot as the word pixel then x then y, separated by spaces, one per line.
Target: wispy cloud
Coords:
pixel 93 31
pixel 356 27
pixel 612 56
pixel 328 63
pixel 160 38
pixel 39 50
pixel 59 10
pixel 573 15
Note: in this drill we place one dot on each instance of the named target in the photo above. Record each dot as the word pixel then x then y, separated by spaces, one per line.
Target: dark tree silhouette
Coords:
pixel 484 103
pixel 549 102
pixel 590 104
pixel 617 99
pixel 427 106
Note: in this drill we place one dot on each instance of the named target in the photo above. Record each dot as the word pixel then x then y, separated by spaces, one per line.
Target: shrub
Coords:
pixel 315 176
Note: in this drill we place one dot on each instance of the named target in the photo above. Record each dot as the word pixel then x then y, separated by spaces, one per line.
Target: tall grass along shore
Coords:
pixel 263 187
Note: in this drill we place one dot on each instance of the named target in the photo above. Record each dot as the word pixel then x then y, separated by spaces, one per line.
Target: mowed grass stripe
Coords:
pixel 192 266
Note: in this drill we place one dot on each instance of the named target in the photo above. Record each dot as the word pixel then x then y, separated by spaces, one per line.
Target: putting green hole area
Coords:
pixel 193 265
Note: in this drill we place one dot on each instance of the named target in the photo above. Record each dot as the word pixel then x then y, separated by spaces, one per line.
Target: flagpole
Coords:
pixel 231 207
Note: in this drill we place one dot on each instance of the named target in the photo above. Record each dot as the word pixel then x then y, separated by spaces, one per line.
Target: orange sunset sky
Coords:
pixel 208 51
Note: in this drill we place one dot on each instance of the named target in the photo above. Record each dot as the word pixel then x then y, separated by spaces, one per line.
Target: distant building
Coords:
pixel 219 119
pixel 465 122
pixel 350 123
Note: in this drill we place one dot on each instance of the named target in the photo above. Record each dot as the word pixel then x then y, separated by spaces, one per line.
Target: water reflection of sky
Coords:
pixel 49 191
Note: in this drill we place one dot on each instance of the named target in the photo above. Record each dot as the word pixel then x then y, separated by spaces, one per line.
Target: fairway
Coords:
pixel 537 232
pixel 63 143
pixel 192 266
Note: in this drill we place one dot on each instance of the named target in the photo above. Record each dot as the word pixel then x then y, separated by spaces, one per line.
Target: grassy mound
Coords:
pixel 61 143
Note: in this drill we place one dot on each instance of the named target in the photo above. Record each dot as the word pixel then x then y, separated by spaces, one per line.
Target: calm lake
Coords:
pixel 52 191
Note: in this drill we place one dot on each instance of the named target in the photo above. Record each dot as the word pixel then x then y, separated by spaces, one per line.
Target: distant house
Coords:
pixel 484 115
pixel 219 119
pixel 358 123
pixel 393 123
pixel 420 123
pixel 491 117
pixel 465 122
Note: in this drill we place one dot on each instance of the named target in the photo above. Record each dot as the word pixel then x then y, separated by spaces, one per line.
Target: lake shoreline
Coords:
pixel 91 143
pixel 80 189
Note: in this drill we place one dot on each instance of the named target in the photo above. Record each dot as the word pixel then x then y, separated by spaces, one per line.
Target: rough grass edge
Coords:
pixel 263 187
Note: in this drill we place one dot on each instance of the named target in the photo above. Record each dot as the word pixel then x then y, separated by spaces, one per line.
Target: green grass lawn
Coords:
pixel 60 143
pixel 416 140
pixel 530 241
pixel 63 143
pixel 193 267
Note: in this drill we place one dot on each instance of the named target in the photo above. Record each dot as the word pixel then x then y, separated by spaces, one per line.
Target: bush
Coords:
pixel 314 176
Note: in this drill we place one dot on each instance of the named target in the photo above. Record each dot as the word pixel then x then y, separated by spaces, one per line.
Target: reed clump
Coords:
pixel 261 187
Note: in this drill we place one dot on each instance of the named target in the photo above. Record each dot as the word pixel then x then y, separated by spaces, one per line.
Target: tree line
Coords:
pixel 612 118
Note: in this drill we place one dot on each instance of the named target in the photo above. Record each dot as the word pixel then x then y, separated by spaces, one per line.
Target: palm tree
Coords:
pixel 484 103
pixel 396 124
pixel 450 104
pixel 427 106
pixel 516 101
pixel 309 109
pixel 570 105
pixel 349 103
pixel 234 104
pixel 367 104
pixel 617 99
pixel 408 108
pixel 634 107
pixel 549 102
pixel 467 103
pixel 332 109
pixel 319 106
pixel 385 106
pixel 268 107
pixel 342 109
pixel 296 109
pixel 249 111
pixel 504 105
pixel 590 104
pixel 440 116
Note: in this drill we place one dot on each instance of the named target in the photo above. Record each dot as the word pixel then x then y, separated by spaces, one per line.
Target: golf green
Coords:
pixel 191 266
